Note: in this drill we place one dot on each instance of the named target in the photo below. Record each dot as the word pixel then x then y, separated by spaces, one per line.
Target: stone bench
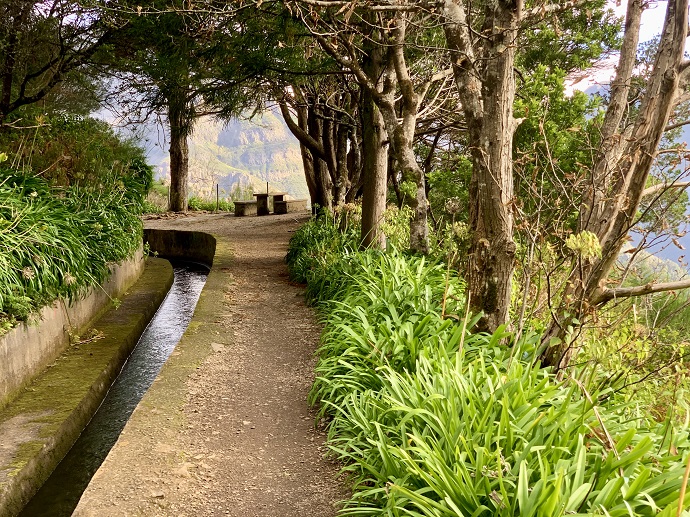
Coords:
pixel 243 208
pixel 287 206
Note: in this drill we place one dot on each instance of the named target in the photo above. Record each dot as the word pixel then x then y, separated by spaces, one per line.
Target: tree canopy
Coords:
pixel 457 109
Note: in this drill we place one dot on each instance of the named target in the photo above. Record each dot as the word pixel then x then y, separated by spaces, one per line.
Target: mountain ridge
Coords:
pixel 240 153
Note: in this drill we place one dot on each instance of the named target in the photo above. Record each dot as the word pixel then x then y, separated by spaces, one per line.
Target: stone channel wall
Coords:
pixel 45 427
pixel 40 425
pixel 175 244
pixel 27 349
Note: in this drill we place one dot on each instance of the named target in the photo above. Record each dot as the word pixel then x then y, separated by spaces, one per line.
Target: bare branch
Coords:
pixel 380 6
pixel 620 87
pixel 671 127
pixel 462 52
pixel 640 290
pixel 664 186
pixel 304 138
pixel 537 14
pixel 684 71
pixel 347 62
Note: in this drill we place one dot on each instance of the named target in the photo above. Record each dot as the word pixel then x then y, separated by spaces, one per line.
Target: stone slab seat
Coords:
pixel 289 205
pixel 243 208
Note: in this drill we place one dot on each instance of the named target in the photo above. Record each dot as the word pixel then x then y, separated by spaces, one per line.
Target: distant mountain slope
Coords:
pixel 241 152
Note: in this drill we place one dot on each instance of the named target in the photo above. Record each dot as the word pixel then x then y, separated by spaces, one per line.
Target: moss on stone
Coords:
pixel 61 400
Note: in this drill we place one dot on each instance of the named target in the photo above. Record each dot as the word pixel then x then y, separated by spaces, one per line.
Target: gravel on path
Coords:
pixel 242 441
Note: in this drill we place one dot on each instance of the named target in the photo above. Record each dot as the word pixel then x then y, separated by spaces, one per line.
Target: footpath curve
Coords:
pixel 225 429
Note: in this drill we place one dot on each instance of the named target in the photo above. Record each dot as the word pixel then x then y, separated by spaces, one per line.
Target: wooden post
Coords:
pixel 217 197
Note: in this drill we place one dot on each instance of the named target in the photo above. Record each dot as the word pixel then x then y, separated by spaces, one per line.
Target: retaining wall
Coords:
pixel 26 350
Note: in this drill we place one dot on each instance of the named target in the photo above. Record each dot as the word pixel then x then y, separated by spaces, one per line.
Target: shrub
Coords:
pixel 324 240
pixel 380 309
pixel 71 191
pixel 196 203
pixel 430 419
pixel 69 150
pixel 56 242
pixel 318 243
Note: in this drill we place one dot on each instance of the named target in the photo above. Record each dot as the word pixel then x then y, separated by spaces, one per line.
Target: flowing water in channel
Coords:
pixel 61 492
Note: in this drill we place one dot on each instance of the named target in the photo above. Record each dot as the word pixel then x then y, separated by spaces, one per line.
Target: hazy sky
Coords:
pixel 652 18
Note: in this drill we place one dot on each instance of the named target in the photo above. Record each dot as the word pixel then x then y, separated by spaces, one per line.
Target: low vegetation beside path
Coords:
pixel 63 223
pixel 431 419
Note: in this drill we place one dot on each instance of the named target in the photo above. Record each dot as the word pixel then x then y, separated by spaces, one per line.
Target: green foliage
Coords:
pixel 432 420
pixel 586 244
pixel 640 368
pixel 153 205
pixel 156 201
pixel 59 236
pixel 210 205
pixel 47 52
pixel 554 148
pixel 641 346
pixel 79 151
pixel 572 39
pixel 451 182
pixel 382 309
pixel 318 245
pixel 479 432
pixel 321 242
pixel 160 188
pixel 553 152
pixel 396 226
pixel 664 213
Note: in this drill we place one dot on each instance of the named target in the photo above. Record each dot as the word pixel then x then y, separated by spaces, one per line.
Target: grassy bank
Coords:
pixel 69 208
pixel 58 241
pixel 71 192
pixel 431 419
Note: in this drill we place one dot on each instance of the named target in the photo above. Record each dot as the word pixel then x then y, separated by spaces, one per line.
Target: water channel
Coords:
pixel 61 492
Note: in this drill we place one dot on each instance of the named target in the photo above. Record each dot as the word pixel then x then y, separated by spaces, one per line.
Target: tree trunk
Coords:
pixel 374 172
pixel 319 191
pixel 492 249
pixel 488 107
pixel 402 136
pixel 19 21
pixel 401 132
pixel 385 71
pixel 324 186
pixel 374 148
pixel 315 127
pixel 620 175
pixel 308 164
pixel 354 164
pixel 318 137
pixel 354 149
pixel 393 176
pixel 179 152
pixel 342 182
pixel 380 71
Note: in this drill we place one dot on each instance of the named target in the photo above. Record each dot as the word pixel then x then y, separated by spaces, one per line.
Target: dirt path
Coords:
pixel 247 444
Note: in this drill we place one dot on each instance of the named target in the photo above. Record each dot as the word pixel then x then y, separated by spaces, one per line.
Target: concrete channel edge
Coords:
pixel 161 408
pixel 48 416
